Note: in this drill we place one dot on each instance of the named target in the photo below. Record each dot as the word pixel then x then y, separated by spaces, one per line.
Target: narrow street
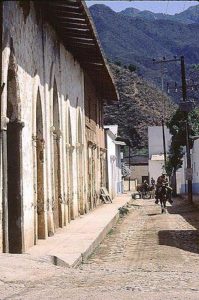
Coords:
pixel 150 255
pixel 147 255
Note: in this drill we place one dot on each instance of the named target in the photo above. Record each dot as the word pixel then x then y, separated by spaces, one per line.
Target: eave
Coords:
pixel 74 25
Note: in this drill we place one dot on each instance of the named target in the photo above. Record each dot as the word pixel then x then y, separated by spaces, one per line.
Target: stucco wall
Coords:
pixel 138 171
pixel 195 166
pixel 40 59
pixel 155 169
pixel 155 140
pixel 95 169
pixel 115 182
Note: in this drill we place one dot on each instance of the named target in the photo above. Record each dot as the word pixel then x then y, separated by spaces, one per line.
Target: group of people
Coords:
pixel 162 180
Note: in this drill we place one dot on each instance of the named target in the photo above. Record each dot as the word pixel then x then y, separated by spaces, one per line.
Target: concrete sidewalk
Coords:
pixel 74 244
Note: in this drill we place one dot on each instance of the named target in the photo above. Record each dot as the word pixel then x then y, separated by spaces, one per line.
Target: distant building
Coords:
pixel 114 157
pixel 181 184
pixel 181 173
pixel 156 166
pixel 195 166
pixel 156 149
pixel 139 168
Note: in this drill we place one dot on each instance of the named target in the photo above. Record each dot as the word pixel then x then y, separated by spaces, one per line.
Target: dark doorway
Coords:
pixel 56 163
pixel 145 178
pixel 80 167
pixel 70 173
pixel 14 164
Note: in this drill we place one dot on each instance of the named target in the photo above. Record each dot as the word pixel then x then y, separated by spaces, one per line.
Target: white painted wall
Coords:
pixel 181 184
pixel 138 171
pixel 115 181
pixel 155 147
pixel 155 169
pixel 155 140
pixel 40 59
pixel 113 129
pixel 195 166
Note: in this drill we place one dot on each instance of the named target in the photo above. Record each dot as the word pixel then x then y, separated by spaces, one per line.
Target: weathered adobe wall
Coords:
pixel 94 129
pixel 138 172
pixel 94 112
pixel 40 59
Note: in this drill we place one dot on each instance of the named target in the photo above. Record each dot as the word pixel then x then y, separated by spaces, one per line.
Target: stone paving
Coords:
pixel 147 255
pixel 74 243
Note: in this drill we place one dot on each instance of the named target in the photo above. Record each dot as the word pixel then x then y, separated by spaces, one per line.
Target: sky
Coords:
pixel 169 7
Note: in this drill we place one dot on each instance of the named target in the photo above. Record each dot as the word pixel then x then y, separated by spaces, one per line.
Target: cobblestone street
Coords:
pixel 147 255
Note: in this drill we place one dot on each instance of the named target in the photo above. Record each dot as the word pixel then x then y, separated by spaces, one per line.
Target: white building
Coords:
pixel 181 184
pixel 115 182
pixel 181 173
pixel 195 166
pixel 156 149
pixel 156 166
pixel 51 113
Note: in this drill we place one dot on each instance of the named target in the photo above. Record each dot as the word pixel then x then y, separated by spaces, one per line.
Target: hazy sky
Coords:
pixel 169 7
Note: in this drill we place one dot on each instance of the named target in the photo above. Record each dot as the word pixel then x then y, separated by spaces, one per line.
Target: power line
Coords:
pixel 185 108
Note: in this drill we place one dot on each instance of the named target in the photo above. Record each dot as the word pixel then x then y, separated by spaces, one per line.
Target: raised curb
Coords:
pixel 60 261
pixel 99 239
pixel 74 244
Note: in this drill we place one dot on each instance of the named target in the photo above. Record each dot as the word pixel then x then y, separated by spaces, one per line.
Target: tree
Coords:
pixel 132 68
pixel 118 63
pixel 177 129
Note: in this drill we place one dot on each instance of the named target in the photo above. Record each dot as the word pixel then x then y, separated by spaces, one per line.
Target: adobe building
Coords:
pixel 156 150
pixel 54 79
pixel 114 144
pixel 139 168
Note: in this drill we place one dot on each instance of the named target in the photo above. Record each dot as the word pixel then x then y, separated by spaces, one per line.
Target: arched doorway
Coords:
pixel 80 166
pixel 70 173
pixel 14 163
pixel 91 175
pixel 56 163
pixel 40 217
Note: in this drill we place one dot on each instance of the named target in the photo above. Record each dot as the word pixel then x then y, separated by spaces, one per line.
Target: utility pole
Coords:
pixel 129 168
pixel 164 143
pixel 163 117
pixel 184 98
pixel 163 113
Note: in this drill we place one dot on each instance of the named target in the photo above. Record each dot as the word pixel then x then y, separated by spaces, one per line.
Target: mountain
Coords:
pixel 130 11
pixel 137 40
pixel 189 16
pixel 140 106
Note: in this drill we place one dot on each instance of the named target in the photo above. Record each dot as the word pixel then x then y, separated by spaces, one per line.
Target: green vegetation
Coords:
pixel 143 151
pixel 195 67
pixel 118 63
pixel 177 127
pixel 132 68
pixel 140 106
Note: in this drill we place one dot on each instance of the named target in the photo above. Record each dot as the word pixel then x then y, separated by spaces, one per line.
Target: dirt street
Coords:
pixel 147 255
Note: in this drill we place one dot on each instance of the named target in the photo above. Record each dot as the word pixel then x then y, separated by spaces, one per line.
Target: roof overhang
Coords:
pixel 157 157
pixel 119 143
pixel 74 25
